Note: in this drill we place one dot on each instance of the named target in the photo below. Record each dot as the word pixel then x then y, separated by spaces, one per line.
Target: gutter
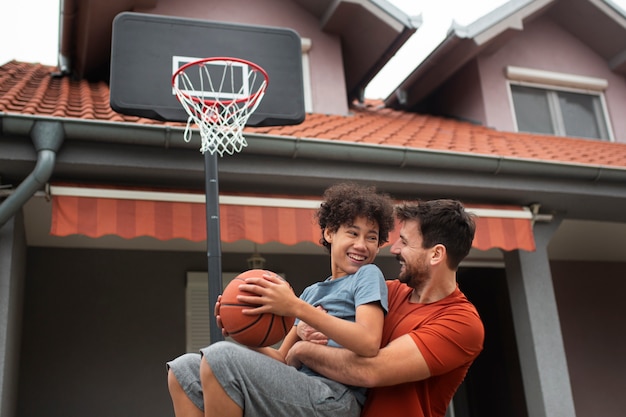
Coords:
pixel 406 157
pixel 127 133
pixel 47 137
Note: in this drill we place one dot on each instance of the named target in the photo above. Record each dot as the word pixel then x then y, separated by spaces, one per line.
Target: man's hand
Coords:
pixel 291 358
pixel 310 334
pixel 307 334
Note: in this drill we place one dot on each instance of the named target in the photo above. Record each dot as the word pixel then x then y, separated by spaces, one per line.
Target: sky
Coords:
pixel 29 33
pixel 436 16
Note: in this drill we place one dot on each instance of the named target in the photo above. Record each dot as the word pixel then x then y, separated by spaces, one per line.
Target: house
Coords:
pixel 94 283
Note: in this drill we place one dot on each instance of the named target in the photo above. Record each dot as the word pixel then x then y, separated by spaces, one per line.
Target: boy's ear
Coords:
pixel 328 235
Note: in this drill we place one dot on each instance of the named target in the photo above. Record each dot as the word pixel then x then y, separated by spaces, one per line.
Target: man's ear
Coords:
pixel 438 254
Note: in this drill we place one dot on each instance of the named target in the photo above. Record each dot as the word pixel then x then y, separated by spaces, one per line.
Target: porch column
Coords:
pixel 12 270
pixel 537 328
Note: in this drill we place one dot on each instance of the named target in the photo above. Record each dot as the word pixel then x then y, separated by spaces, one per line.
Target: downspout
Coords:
pixel 47 138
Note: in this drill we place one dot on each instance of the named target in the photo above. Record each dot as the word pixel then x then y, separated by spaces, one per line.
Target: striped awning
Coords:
pixel 97 212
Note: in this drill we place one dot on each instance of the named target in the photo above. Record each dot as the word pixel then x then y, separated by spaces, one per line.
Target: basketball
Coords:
pixel 254 331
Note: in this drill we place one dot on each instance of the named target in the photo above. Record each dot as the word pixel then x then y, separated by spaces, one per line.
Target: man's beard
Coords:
pixel 415 276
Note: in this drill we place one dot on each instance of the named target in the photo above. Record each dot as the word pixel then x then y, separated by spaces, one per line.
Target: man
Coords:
pixel 431 334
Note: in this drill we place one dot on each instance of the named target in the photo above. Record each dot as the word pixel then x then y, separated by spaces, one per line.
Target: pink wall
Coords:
pixel 546 46
pixel 326 65
pixel 462 96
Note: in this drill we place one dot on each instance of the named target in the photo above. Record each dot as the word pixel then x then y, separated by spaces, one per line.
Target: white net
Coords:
pixel 219 95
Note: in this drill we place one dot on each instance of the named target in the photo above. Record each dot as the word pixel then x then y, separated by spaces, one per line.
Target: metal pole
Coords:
pixel 214 252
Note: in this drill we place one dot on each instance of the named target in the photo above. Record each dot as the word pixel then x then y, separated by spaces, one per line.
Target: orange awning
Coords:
pixel 97 212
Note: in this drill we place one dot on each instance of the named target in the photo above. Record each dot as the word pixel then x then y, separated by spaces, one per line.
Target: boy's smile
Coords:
pixel 352 246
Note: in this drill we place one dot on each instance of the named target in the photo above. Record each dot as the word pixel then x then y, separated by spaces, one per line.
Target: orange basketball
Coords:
pixel 255 331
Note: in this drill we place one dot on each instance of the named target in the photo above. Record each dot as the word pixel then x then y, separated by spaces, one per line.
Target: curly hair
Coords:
pixel 344 202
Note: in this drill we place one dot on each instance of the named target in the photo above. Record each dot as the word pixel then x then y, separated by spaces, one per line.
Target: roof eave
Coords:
pixel 371 32
pixel 462 44
pixel 357 91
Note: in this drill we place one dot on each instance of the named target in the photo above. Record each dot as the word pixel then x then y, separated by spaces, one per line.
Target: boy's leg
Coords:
pixel 261 386
pixel 216 402
pixel 183 407
pixel 183 379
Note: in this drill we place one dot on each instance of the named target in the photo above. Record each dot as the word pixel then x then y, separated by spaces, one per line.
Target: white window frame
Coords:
pixel 553 82
pixel 306 75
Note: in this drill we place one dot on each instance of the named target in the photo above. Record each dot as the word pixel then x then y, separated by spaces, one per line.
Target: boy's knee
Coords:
pixel 219 351
pixel 226 358
pixel 205 370
pixel 172 383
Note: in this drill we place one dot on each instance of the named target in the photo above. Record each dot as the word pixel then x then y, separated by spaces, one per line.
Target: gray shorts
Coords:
pixel 262 386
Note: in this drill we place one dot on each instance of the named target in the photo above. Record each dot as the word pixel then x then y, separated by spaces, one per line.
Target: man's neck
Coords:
pixel 437 288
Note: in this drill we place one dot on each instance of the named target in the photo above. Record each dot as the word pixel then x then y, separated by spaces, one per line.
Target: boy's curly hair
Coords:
pixel 344 202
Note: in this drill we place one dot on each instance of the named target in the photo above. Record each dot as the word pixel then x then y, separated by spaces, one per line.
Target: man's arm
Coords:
pixel 398 362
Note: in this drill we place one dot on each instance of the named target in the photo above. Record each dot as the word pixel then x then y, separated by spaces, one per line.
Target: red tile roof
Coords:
pixel 27 88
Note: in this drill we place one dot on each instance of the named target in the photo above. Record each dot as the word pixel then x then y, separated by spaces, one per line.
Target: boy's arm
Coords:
pixel 275 296
pixel 280 353
pixel 363 336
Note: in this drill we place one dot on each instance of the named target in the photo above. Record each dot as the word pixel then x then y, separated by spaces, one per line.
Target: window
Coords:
pixel 560 113
pixel 558 104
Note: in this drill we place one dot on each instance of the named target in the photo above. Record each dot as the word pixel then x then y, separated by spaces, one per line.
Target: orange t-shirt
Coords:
pixel 448 333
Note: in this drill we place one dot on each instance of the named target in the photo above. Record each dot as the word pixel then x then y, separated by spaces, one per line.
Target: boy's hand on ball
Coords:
pixel 272 294
pixel 259 329
pixel 218 318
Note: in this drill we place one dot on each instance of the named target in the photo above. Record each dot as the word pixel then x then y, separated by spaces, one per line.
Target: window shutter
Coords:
pixel 198 310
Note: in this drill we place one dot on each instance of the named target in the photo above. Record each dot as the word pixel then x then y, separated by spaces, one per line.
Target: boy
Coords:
pixel 348 307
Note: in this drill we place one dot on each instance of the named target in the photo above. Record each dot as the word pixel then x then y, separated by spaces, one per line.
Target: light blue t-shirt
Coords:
pixel 340 297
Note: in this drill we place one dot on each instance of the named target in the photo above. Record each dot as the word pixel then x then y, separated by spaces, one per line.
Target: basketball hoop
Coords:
pixel 219 95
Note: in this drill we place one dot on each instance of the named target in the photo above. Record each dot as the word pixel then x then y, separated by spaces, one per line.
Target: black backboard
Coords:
pixel 146 49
